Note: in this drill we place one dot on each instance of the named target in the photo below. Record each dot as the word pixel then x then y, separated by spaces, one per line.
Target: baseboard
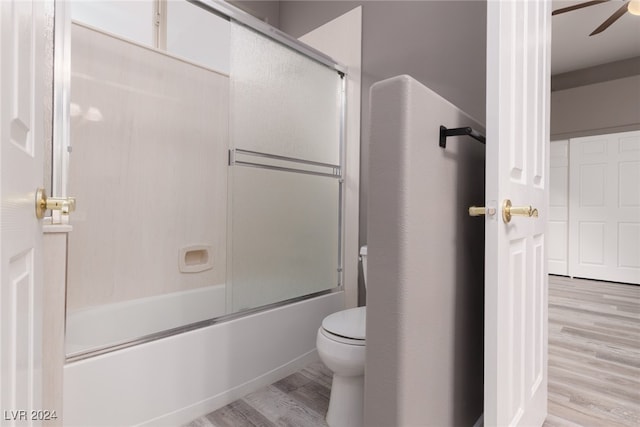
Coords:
pixel 189 413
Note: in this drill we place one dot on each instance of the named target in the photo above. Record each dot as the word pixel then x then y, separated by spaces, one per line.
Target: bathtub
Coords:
pixel 95 327
pixel 171 381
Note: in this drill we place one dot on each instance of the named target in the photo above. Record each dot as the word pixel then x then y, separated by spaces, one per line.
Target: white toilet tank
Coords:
pixel 363 259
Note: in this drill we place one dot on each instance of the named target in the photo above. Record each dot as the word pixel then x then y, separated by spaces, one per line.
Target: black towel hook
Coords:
pixel 444 133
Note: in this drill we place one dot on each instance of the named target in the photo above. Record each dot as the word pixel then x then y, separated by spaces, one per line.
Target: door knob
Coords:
pixel 481 210
pixel 62 204
pixel 508 211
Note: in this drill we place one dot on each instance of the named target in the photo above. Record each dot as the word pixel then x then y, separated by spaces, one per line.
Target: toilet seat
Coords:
pixel 346 326
pixel 342 340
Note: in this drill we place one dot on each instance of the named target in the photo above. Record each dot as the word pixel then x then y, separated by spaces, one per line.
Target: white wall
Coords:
pixel 558 226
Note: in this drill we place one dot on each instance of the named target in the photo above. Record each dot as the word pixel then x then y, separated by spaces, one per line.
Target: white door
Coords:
pixel 518 73
pixel 604 219
pixel 22 58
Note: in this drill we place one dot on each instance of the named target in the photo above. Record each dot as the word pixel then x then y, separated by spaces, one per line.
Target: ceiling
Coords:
pixel 572 48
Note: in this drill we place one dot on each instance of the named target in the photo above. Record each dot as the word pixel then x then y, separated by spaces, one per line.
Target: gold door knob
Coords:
pixel 481 210
pixel 508 211
pixel 62 204
pixel 477 210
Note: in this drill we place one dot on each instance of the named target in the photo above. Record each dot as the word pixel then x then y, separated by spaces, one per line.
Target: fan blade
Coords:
pixel 577 6
pixel 613 18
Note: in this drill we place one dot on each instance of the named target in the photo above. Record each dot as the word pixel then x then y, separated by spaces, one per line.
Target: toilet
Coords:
pixel 341 347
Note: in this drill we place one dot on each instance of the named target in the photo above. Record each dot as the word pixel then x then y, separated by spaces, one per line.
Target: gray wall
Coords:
pixel 597 74
pixel 440 43
pixel 267 11
pixel 605 107
pixel 424 362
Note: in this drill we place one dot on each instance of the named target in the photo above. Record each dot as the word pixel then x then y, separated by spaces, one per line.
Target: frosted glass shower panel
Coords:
pixel 282 102
pixel 133 20
pixel 149 169
pixel 197 35
pixel 285 236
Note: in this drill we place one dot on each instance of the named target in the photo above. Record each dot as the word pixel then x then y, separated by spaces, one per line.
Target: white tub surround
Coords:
pixel 145 126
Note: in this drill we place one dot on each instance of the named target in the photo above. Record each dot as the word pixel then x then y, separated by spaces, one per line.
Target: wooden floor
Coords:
pixel 594 353
pixel 299 400
pixel 594 367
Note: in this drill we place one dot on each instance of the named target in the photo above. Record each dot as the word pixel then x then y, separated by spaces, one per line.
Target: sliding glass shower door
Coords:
pixel 206 162
pixel 285 136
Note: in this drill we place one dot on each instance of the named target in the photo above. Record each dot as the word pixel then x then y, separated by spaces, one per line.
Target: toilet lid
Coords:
pixel 349 323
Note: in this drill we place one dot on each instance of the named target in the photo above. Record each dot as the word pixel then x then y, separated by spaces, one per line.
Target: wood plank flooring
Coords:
pixel 594 353
pixel 299 400
pixel 594 367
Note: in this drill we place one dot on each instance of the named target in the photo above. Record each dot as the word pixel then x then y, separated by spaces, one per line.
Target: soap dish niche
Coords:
pixel 195 258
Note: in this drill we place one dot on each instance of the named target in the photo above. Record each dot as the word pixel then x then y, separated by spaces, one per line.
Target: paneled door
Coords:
pixel 22 58
pixel 604 209
pixel 518 74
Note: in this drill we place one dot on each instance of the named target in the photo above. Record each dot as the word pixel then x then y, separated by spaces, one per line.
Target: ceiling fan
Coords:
pixel 631 6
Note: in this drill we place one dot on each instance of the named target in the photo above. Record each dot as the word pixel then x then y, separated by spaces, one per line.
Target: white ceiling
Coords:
pixel 573 49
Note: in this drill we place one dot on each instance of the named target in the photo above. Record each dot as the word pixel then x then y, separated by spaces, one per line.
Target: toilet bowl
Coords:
pixel 341 344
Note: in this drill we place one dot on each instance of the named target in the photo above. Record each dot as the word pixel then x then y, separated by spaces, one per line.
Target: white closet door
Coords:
pixel 604 210
pixel 558 225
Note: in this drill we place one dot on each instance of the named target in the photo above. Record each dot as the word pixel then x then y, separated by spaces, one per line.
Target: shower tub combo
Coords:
pixel 222 246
